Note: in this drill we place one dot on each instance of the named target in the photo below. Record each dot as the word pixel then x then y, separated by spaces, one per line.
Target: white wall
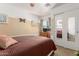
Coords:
pixel 67 10
pixel 14 11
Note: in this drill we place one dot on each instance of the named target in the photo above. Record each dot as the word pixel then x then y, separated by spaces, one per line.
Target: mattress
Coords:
pixel 29 46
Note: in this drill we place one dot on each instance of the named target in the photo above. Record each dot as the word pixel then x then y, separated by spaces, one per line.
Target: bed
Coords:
pixel 30 46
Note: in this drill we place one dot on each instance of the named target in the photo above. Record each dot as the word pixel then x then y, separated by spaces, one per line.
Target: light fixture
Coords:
pixel 32 4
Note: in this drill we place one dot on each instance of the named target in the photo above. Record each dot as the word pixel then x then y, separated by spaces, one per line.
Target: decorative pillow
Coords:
pixel 6 41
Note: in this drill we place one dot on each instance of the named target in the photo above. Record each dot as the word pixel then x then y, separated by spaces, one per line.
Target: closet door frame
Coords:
pixel 64 42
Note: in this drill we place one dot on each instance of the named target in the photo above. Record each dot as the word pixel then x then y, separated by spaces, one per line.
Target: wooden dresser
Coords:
pixel 45 34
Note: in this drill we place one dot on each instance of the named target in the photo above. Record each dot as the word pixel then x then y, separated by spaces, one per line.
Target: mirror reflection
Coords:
pixel 71 29
pixel 58 27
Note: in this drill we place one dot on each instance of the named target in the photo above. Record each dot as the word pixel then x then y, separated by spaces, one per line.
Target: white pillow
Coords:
pixel 6 41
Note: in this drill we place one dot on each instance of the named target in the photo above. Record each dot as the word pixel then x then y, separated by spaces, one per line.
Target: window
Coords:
pixel 3 18
pixel 45 24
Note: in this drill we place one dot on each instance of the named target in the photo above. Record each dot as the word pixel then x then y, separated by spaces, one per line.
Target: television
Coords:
pixel 46 29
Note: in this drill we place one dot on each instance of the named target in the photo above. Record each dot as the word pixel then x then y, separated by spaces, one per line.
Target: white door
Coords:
pixel 66 24
pixel 71 29
pixel 59 29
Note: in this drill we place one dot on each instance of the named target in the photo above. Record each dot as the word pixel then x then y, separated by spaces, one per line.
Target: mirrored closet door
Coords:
pixel 58 26
pixel 71 29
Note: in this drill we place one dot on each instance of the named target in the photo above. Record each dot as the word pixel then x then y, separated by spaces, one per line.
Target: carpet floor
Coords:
pixel 61 51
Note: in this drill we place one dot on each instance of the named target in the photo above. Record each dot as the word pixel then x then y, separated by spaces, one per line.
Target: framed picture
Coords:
pixel 3 18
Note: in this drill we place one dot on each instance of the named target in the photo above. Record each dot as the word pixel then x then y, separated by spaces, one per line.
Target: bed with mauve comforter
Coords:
pixel 29 46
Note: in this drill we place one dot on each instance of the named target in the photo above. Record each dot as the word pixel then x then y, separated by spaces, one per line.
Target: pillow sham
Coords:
pixel 6 41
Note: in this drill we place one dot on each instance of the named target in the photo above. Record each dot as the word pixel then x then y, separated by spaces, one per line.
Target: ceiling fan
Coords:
pixel 47 4
pixel 32 4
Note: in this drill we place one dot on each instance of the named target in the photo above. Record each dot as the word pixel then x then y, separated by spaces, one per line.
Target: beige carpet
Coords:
pixel 61 51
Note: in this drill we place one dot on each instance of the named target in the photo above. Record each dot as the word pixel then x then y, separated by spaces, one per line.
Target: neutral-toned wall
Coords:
pixel 14 27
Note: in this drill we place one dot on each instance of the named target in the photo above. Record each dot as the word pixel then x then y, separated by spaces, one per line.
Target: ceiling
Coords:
pixel 39 9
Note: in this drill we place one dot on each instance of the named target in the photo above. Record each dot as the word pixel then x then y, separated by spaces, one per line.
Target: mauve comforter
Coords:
pixel 29 46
